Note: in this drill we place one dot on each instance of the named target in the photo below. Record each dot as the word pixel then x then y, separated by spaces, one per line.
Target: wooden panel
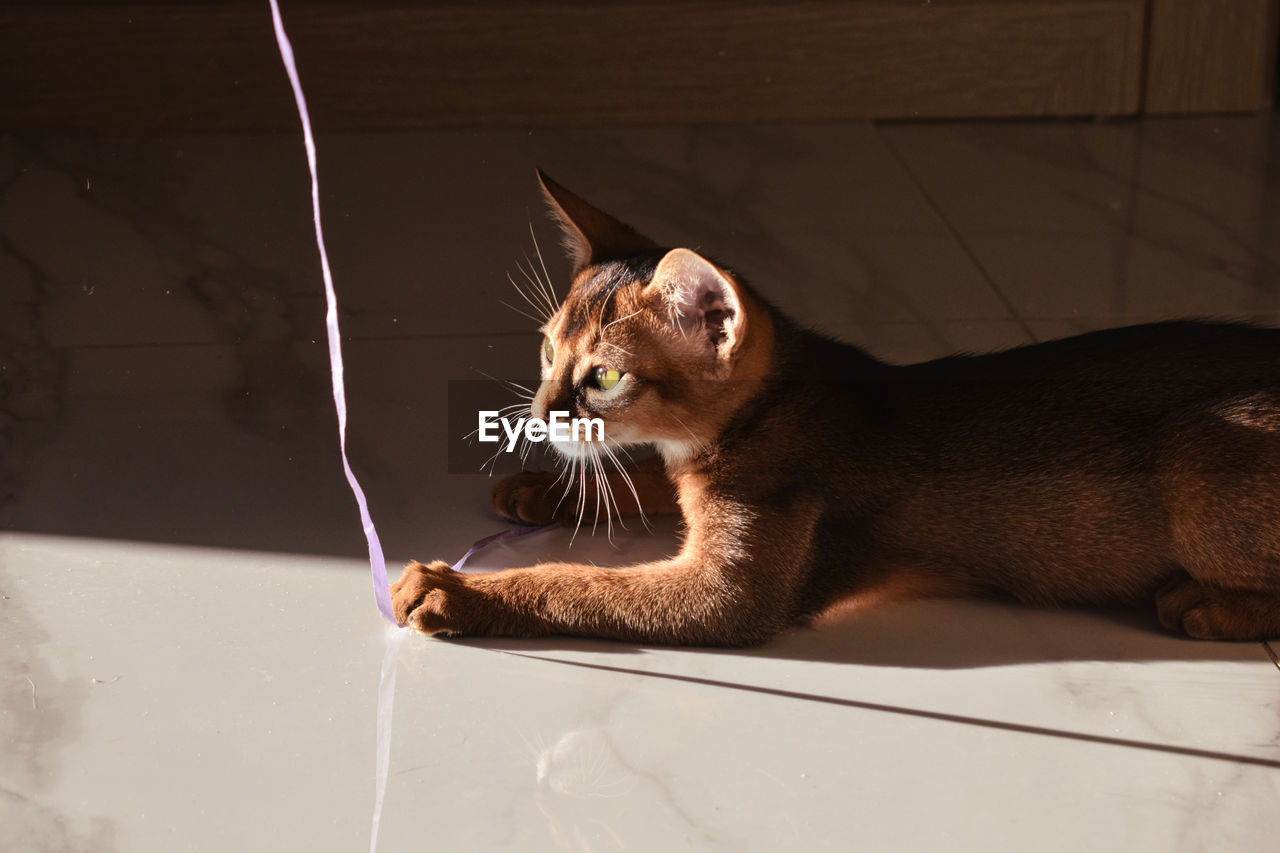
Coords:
pixel 1211 56
pixel 213 66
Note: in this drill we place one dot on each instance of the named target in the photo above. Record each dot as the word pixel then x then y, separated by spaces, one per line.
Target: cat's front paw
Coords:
pixel 530 497
pixel 424 598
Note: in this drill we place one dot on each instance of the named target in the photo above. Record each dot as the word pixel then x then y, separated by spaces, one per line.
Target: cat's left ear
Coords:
pixel 701 299
pixel 591 236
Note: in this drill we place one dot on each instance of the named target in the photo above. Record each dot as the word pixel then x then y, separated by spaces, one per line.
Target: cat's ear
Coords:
pixel 591 236
pixel 701 300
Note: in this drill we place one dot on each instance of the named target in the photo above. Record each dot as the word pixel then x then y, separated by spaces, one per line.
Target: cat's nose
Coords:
pixel 548 399
pixel 539 407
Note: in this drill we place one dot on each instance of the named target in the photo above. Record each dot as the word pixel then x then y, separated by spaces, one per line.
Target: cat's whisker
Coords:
pixel 582 491
pixel 626 478
pixel 544 286
pixel 515 387
pixel 560 470
pixel 501 413
pixel 523 405
pixel 492 461
pixel 582 499
pixel 525 399
pixel 604 331
pixel 595 473
pixel 618 348
pixel 525 392
pixel 609 495
pixel 537 304
pixel 546 289
pixel 543 263
pixel 525 396
pixel 583 472
pixel 606 488
pixel 538 320
pixel 622 448
pixel 521 408
pixel 562 464
pixel 698 441
pixel 535 291
pixel 540 289
pixel 571 468
pixel 620 319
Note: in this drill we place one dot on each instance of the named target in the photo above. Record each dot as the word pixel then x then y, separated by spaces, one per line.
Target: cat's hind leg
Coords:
pixel 1221 479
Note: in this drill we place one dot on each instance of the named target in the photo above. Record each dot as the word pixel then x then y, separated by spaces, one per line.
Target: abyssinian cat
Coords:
pixel 1132 465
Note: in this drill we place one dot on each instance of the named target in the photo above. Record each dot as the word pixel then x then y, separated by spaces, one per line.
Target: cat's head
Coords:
pixel 660 344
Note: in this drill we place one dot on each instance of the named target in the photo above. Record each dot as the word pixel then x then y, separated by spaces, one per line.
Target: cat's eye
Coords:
pixel 548 351
pixel 607 378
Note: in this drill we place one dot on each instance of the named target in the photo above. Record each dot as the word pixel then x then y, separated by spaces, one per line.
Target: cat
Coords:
pixel 1131 465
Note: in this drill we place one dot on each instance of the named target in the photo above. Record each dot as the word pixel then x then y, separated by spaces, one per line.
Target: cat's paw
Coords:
pixel 1210 613
pixel 1185 605
pixel 423 598
pixel 1179 598
pixel 530 497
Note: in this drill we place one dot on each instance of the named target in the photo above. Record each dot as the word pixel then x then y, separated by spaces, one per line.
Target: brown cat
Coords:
pixel 1128 465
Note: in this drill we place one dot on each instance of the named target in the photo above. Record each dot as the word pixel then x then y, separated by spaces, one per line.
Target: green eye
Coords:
pixel 607 379
pixel 548 351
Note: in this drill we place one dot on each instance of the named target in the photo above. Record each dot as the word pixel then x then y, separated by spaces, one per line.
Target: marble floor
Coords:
pixel 191 656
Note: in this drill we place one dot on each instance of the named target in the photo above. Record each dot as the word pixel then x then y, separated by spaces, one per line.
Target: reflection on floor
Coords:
pixel 195 652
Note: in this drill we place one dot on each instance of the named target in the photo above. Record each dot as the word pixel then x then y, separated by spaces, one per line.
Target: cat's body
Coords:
pixel 1122 466
pixel 1051 473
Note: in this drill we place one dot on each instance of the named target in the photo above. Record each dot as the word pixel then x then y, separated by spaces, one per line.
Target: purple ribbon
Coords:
pixel 377 562
pixel 503 535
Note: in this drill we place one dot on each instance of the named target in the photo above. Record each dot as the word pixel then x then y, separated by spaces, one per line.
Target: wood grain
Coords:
pixel 1211 56
pixel 207 67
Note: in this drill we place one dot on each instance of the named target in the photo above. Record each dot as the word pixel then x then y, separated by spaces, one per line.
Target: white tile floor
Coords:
pixel 191 654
